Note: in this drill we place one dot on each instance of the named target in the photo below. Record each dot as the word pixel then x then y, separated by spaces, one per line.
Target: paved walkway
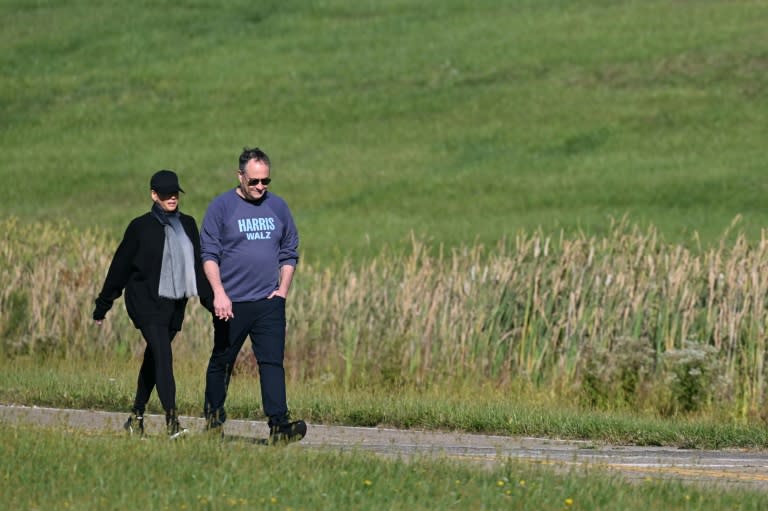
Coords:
pixel 725 467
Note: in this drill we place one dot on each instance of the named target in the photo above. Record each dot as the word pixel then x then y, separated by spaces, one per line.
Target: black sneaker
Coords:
pixel 214 428
pixel 287 432
pixel 172 424
pixel 135 425
pixel 175 430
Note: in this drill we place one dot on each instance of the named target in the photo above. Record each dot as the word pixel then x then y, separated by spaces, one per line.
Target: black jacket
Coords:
pixel 136 268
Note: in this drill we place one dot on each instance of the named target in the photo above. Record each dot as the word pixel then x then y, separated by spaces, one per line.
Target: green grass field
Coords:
pixel 71 470
pixel 463 123
pixel 460 122
pixel 110 385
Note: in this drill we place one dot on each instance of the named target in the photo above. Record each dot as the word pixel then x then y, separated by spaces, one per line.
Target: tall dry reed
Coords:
pixel 627 313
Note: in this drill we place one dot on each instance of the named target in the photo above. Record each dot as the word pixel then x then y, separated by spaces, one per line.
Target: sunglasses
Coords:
pixel 264 180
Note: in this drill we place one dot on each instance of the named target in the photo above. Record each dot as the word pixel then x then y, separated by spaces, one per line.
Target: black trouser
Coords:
pixel 264 322
pixel 157 368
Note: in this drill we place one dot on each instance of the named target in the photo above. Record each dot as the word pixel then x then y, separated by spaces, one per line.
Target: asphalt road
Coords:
pixel 722 467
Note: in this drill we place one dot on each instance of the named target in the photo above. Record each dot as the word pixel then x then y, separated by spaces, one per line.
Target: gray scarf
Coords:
pixel 177 274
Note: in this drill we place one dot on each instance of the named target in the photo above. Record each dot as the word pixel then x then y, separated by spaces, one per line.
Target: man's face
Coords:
pixel 254 180
pixel 168 201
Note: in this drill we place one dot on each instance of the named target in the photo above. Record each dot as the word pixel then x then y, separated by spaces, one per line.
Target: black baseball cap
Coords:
pixel 165 181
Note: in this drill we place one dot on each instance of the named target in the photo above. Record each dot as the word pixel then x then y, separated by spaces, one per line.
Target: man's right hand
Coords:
pixel 222 307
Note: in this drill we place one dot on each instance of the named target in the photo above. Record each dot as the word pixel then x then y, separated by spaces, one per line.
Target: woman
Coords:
pixel 158 265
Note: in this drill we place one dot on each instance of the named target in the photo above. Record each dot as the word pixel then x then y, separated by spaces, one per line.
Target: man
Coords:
pixel 249 248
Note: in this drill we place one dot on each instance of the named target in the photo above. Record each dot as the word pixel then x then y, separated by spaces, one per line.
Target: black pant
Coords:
pixel 157 368
pixel 264 322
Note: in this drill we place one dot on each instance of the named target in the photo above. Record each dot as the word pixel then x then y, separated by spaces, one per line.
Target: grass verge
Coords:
pixel 472 408
pixel 73 470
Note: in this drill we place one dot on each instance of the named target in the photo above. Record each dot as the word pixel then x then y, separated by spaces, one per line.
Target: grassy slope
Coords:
pixel 459 122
